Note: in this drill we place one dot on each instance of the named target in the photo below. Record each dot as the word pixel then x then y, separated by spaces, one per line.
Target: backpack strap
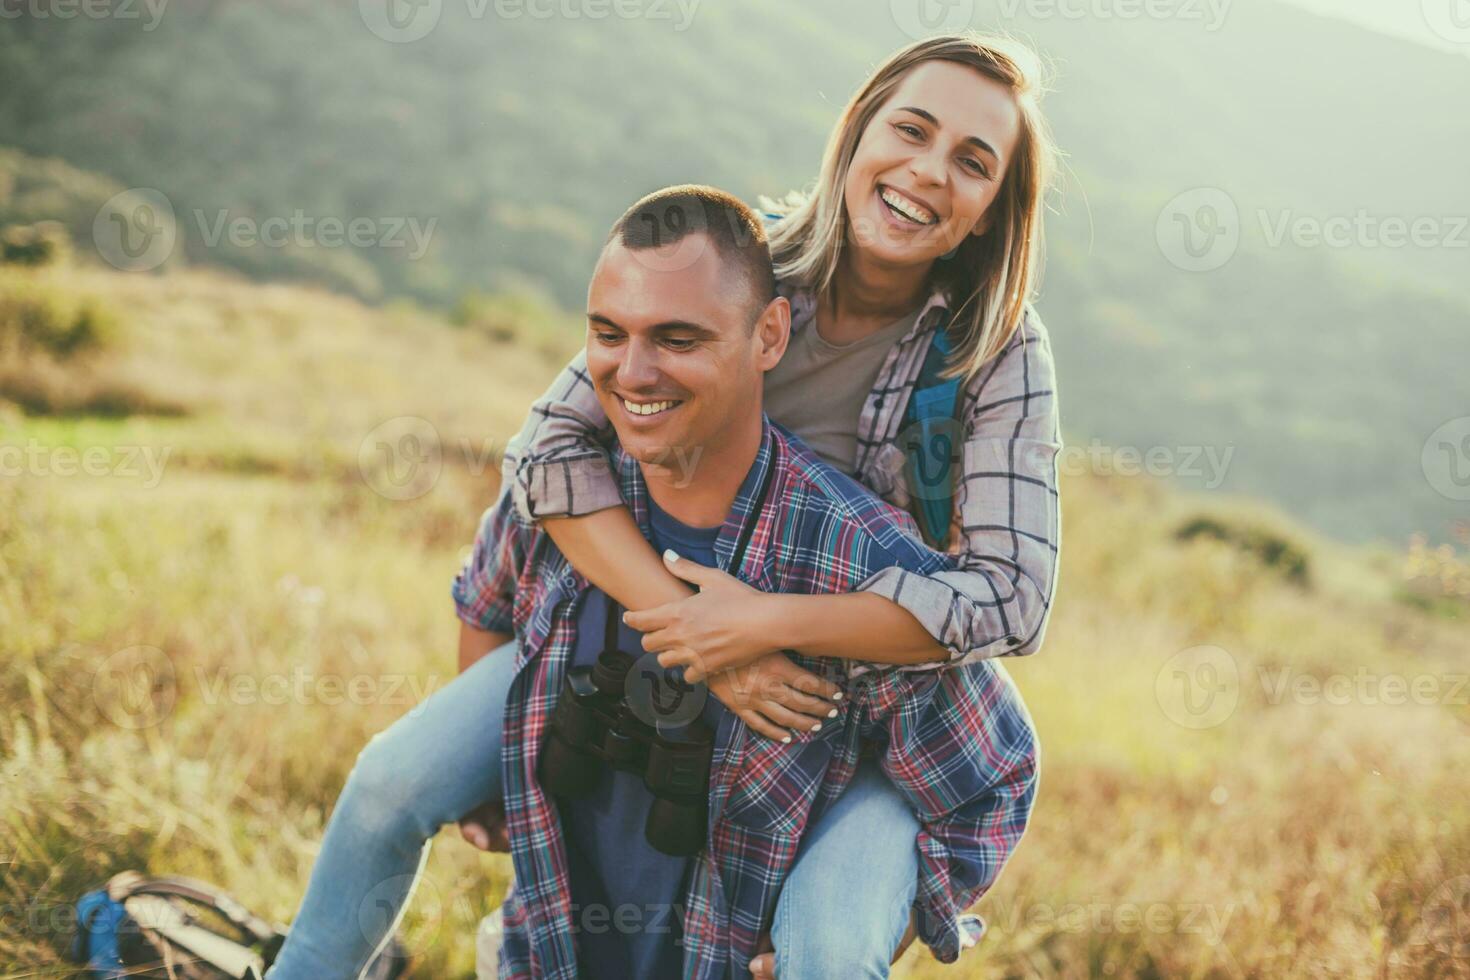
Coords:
pixel 931 440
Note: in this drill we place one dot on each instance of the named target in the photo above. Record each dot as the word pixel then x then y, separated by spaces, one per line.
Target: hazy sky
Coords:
pixel 1405 18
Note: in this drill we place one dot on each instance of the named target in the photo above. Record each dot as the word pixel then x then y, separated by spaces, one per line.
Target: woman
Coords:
pixel 927 210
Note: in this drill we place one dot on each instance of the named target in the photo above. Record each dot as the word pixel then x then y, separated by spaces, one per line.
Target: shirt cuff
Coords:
pixel 942 609
pixel 567 488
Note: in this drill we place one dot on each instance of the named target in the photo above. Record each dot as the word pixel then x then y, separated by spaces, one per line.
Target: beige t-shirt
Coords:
pixel 818 389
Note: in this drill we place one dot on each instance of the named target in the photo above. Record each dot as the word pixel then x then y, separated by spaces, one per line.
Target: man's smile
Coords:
pixel 644 409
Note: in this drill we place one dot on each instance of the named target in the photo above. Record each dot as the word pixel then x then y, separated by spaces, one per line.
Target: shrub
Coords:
pixel 1272 548
pixel 43 243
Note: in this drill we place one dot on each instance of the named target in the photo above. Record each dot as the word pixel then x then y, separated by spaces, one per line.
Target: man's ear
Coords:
pixel 773 331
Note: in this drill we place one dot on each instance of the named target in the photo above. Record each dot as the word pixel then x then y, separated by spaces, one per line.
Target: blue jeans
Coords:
pixel 842 911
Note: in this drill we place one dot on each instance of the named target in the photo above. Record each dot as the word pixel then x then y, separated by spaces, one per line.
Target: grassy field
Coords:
pixel 227 534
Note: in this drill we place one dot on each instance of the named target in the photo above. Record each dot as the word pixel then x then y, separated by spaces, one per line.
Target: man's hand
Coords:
pixel 774 696
pixel 484 827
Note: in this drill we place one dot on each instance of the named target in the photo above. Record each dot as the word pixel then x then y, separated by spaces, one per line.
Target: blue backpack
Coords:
pixel 931 437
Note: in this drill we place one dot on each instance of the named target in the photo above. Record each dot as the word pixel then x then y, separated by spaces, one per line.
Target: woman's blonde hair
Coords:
pixel 991 277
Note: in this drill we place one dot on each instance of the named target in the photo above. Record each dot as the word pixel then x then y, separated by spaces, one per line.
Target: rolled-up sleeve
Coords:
pixel 557 465
pixel 997 599
pixel 484 590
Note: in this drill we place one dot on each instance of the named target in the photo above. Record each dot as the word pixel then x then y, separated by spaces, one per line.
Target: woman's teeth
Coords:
pixel 906 208
pixel 648 408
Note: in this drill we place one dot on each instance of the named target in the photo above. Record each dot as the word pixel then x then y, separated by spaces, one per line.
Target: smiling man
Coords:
pixel 683 324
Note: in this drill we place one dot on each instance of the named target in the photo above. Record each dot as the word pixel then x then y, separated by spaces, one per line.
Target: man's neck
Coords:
pixel 698 488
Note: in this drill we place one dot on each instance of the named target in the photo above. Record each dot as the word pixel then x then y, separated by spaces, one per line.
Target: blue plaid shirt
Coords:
pixel 956 741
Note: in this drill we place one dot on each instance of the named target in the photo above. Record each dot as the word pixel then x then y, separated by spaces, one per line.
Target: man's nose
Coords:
pixel 639 367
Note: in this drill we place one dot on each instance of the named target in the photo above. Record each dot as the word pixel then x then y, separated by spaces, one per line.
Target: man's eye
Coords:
pixel 604 337
pixel 678 343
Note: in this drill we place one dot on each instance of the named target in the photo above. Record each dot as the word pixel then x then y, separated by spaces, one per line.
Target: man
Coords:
pixel 683 322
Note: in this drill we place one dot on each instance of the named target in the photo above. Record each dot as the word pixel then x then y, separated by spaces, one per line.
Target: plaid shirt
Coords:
pixel 996 599
pixel 958 743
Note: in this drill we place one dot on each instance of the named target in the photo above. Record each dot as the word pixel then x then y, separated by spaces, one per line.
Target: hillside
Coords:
pixel 1231 786
pixel 491 154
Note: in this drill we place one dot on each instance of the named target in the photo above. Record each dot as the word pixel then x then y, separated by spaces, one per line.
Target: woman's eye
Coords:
pixel 908 129
pixel 975 167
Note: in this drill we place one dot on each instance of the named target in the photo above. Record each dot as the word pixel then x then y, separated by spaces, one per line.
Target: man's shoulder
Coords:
pixel 832 505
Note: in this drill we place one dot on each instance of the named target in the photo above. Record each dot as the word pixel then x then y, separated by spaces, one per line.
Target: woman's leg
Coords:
pixel 428 768
pixel 845 906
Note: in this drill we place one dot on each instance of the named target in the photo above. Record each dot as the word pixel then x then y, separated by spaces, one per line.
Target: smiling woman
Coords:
pixel 924 226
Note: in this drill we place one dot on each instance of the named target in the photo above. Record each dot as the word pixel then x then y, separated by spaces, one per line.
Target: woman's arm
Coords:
pixel 998 600
pixel 994 600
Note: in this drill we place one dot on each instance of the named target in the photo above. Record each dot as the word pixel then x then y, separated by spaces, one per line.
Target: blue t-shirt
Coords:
pixel 627 896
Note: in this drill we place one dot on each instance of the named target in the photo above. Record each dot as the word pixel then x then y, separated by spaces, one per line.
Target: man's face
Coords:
pixel 671 350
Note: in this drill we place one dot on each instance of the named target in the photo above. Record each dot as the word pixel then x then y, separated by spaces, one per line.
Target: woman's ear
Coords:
pixel 773 331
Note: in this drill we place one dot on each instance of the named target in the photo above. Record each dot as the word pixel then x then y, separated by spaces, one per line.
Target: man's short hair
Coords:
pixel 672 214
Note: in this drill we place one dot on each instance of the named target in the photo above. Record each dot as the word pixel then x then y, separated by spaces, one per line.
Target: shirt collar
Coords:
pixel 756 494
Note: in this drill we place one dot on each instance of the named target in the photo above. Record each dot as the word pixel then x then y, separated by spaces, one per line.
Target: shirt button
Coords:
pixel 878 402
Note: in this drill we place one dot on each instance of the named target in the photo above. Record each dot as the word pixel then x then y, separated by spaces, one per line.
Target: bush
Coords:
pixel 1272 548
pixel 44 243
pixel 39 315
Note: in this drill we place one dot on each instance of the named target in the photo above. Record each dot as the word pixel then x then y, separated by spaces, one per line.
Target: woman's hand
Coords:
pixel 774 696
pixel 723 627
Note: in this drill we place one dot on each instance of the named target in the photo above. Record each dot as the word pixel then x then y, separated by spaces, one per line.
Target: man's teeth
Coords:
pixel 648 408
pixel 907 208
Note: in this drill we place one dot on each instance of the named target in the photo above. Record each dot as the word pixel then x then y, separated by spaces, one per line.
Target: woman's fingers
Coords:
pixel 804 680
pixel 784 716
pixel 645 620
pixel 817 708
pixel 758 723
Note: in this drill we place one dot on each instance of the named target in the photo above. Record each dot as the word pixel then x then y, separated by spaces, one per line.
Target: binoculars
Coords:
pixel 595 726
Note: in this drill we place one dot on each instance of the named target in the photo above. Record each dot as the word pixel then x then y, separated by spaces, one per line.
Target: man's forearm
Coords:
pixel 475 643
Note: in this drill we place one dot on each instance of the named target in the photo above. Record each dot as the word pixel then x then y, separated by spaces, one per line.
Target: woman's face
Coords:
pixel 930 164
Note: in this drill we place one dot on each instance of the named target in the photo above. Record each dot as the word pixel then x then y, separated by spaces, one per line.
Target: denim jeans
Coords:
pixel 842 910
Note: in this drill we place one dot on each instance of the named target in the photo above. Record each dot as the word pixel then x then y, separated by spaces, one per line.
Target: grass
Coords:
pixel 1227 790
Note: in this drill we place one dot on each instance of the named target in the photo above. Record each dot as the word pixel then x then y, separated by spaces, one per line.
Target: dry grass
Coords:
pixel 1294 836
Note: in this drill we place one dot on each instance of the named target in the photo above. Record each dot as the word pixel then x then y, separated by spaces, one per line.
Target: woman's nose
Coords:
pixel 929 167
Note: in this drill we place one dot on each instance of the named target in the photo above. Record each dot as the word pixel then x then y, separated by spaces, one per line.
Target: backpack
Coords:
pixel 173 928
pixel 931 437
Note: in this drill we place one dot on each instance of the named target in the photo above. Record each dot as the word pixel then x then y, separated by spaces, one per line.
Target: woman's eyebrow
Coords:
pixel 929 117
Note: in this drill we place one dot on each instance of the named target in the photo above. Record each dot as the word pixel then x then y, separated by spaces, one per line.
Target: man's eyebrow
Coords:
pixel 667 326
pixel 929 117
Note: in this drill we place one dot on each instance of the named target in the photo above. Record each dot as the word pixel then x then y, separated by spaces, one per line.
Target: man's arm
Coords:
pixel 475 643
pixel 484 590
